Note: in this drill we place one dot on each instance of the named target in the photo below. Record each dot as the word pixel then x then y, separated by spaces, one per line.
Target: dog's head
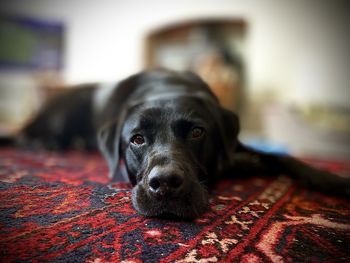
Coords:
pixel 172 146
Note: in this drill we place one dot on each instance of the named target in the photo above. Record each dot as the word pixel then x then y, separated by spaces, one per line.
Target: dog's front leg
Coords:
pixel 247 161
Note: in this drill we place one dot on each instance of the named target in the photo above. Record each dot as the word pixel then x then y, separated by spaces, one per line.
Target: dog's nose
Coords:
pixel 165 181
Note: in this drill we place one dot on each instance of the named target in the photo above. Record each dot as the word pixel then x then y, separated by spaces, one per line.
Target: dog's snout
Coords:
pixel 165 181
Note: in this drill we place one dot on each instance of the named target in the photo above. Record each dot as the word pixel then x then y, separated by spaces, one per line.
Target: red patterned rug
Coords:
pixel 62 208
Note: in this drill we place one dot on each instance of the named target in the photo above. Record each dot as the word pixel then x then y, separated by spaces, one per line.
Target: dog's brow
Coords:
pixel 146 122
pixel 182 126
pixel 147 118
pixel 184 123
pixel 189 118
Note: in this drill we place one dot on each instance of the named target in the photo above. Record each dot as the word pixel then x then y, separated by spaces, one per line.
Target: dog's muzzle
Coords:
pixel 170 190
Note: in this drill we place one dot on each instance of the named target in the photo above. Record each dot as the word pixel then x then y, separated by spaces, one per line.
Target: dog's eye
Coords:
pixel 137 139
pixel 197 132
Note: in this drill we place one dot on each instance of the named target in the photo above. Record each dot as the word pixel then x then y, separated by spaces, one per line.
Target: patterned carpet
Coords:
pixel 62 208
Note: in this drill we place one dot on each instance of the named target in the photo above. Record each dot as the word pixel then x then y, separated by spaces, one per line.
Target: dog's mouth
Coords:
pixel 188 205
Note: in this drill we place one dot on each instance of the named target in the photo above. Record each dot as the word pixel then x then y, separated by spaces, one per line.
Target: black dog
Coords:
pixel 171 133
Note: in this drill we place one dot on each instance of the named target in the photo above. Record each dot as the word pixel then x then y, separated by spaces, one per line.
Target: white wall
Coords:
pixel 297 48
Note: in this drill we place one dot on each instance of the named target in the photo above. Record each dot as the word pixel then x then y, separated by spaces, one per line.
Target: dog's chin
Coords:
pixel 188 206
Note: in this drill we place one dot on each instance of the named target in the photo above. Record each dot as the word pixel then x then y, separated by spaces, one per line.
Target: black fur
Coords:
pixel 175 140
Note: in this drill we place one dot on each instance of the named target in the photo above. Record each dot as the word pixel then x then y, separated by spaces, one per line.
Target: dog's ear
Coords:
pixel 229 130
pixel 108 138
pixel 231 123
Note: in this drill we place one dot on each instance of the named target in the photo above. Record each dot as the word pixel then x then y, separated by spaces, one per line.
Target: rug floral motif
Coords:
pixel 57 207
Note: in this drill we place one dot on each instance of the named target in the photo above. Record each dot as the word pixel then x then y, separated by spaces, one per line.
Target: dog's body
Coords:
pixel 171 133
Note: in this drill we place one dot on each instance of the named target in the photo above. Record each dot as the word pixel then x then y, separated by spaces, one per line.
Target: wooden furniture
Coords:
pixel 213 48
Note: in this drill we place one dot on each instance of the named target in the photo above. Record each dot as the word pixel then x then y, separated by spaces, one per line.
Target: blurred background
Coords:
pixel 283 66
